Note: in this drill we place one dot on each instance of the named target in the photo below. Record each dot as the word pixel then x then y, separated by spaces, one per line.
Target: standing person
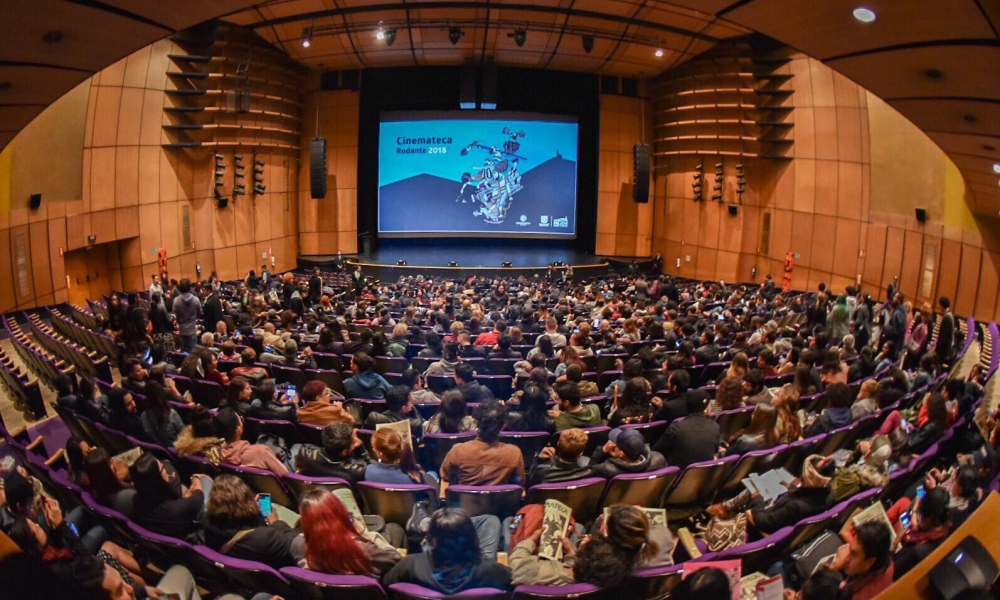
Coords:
pixel 212 308
pixel 155 287
pixel 944 349
pixel 315 286
pixel 357 279
pixel 895 328
pixel 187 310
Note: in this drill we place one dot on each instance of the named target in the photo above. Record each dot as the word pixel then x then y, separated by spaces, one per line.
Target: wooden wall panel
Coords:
pixel 950 259
pixel 892 263
pixel 38 242
pixel 909 281
pixel 986 298
pixel 964 302
pixel 845 249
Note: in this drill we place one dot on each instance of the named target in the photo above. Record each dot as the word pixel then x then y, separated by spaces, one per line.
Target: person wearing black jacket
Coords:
pixel 162 504
pixel 695 438
pixel 917 442
pixel 676 404
pixel 337 457
pixel 211 309
pixel 565 462
pixel 810 497
pixel 315 287
pixel 625 452
pixel 124 414
pixel 399 407
pixel 944 348
pixel 235 527
pixel 465 380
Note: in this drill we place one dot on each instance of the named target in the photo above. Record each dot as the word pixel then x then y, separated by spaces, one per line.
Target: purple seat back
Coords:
pixel 322 586
pixel 699 481
pixel 264 482
pixel 247 575
pixel 582 495
pixel 584 591
pixel 394 502
pixel 500 500
pixel 640 489
pixel 412 591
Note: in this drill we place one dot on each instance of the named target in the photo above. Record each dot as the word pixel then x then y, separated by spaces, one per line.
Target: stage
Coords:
pixel 475 256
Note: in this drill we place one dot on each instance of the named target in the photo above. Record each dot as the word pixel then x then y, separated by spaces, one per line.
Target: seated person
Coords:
pixel 320 406
pixel 570 412
pixel 365 383
pixel 754 391
pixel 162 503
pixel 811 496
pixel 503 349
pixel 399 407
pixel 124 415
pixel 564 462
pixel 414 381
pixel 342 455
pixel 332 542
pixel 135 377
pixel 448 363
pixel 235 527
pixel 160 421
pixel 247 368
pixel 396 462
pixel 465 382
pixel 704 584
pixel 625 452
pixel 201 437
pixel 626 541
pixel 451 415
pixel 631 406
pixel 865 561
pixel 266 403
pixel 108 480
pixel 695 438
pixel 237 451
pixel 675 405
pixel 290 356
pixel 485 460
pixel 761 433
pixel 574 374
pixel 228 349
pixel 867 401
pixel 454 559
pixel 837 415
pixel 532 412
pixel 868 468
pixel 930 523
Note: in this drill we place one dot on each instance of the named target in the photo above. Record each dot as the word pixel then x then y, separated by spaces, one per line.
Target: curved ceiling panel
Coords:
pixel 933 61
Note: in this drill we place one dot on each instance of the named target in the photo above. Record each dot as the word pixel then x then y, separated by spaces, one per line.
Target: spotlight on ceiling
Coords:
pixel 658 53
pixel 390 36
pixel 996 167
pixel 588 43
pixel 520 36
pixel 455 34
pixel 380 33
pixel 306 37
pixel 865 15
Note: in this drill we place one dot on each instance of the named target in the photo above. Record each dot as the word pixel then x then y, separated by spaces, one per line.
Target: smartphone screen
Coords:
pixel 921 492
pixel 291 392
pixel 72 528
pixel 264 501
pixel 905 519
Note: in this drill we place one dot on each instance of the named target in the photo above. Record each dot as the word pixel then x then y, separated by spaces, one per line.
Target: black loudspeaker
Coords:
pixel 921 214
pixel 453 263
pixel 317 167
pixel 35 201
pixel 968 566
pixel 223 201
pixel 467 88
pixel 640 173
pixel 734 210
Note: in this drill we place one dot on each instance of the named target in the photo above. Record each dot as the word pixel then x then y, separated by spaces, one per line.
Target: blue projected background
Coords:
pixel 497 175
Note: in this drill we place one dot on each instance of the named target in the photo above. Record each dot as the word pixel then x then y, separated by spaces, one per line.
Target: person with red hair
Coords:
pixel 335 541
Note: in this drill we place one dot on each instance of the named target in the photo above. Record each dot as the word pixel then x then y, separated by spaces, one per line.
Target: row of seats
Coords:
pixel 89 337
pixel 46 365
pixel 22 389
pixel 86 361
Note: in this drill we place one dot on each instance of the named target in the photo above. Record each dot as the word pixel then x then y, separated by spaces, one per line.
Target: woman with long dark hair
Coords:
pixel 453 560
pixel 334 541
pixel 451 416
pixel 532 412
pixel 160 421
pixel 632 405
pixel 761 433
pixel 162 503
pixel 105 476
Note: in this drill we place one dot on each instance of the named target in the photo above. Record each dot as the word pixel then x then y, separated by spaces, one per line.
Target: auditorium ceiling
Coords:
pixel 935 62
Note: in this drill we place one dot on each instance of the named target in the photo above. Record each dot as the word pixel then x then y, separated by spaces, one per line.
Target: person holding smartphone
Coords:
pixel 236 526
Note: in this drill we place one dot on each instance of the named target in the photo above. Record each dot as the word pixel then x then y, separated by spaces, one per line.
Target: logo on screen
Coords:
pixel 543 221
pixel 560 222
pixel 523 221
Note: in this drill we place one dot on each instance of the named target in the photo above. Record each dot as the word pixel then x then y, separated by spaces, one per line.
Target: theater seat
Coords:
pixel 640 489
pixel 394 502
pixel 577 591
pixel 247 576
pixel 312 585
pixel 500 500
pixel 582 495
pixel 412 591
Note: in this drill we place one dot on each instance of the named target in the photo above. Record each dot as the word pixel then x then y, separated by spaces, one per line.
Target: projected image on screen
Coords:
pixel 499 176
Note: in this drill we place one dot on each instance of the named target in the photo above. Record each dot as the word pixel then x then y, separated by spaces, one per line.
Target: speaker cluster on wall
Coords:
pixel 35 201
pixel 317 167
pixel 220 173
pixel 258 176
pixel 239 187
pixel 699 178
pixel 741 182
pixel 717 186
pixel 640 173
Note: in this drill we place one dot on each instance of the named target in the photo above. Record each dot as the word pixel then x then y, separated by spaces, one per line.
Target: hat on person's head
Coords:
pixel 880 451
pixel 811 476
pixel 630 441
pixel 980 458
pixel 697 402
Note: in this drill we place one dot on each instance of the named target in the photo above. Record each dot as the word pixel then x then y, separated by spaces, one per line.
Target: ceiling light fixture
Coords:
pixel 588 43
pixel 996 166
pixel 390 36
pixel 865 15
pixel 380 33
pixel 455 34
pixel 306 37
pixel 658 53
pixel 520 36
